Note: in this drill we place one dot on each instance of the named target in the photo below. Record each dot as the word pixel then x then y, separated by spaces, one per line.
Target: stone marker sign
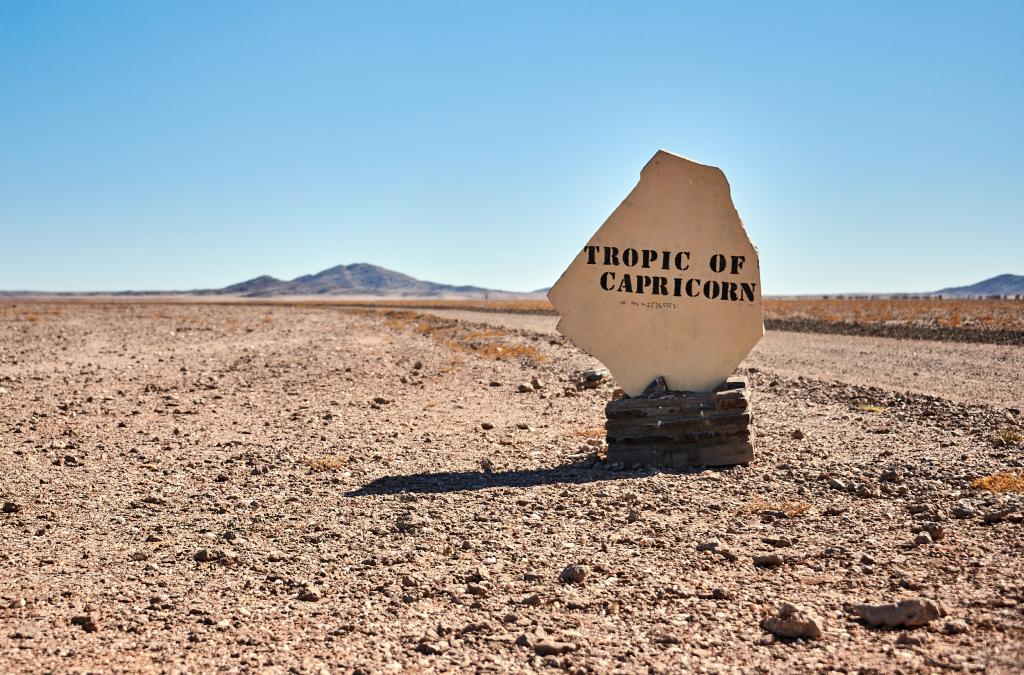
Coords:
pixel 669 287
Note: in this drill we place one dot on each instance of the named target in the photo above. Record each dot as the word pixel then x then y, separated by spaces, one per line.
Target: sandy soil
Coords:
pixel 198 487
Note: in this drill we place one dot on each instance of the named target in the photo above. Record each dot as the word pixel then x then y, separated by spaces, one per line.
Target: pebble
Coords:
pixel 837 484
pixel 771 560
pixel 997 515
pixel 10 507
pixel 536 384
pixel 908 613
pixel 922 539
pixel 524 388
pixel 574 574
pixel 486 426
pixel 309 595
pixel 85 622
pixel 553 648
pixel 792 621
pixel 963 510
pixel 779 542
pixel 208 555
pixel 797 435
pixel 955 627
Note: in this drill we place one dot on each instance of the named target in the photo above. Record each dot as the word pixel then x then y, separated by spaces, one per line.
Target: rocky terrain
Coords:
pixel 201 487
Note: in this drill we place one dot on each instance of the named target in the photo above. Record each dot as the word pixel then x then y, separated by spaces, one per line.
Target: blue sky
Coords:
pixel 870 146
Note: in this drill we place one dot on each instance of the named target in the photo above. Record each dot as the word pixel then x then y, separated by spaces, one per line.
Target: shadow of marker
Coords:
pixel 458 481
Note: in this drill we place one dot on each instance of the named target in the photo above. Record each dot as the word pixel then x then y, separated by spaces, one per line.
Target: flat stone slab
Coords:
pixel 682 429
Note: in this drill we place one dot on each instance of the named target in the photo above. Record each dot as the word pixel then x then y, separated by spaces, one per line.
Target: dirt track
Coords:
pixel 198 487
pixel 958 371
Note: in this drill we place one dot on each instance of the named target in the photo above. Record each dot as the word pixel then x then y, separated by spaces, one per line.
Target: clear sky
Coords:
pixel 149 145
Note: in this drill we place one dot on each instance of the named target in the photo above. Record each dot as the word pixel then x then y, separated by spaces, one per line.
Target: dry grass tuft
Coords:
pixel 591 432
pixel 1000 482
pixel 1008 436
pixel 491 343
pixel 788 509
pixel 328 463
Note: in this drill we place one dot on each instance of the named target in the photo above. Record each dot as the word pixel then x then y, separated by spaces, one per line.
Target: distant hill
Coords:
pixel 1004 284
pixel 355 279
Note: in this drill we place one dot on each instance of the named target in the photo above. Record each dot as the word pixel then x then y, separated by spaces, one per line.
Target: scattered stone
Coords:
pixel 476 589
pixel 531 600
pixel 409 523
pixel 494 383
pixel 85 622
pixel 208 555
pixel 890 476
pixel 536 384
pixel 522 426
pixel 487 465
pixel 779 542
pixel 524 640
pixel 10 507
pixel 553 648
pixel 574 574
pixel 998 515
pixel 309 595
pixel 963 510
pixel 592 378
pixel 708 545
pixel 955 627
pixel 486 426
pixel 935 531
pixel 523 388
pixel 797 435
pixel 433 648
pixel 907 613
pixel 771 560
pixel 910 640
pixel 837 484
pixel 922 539
pixel 793 622
pixel 418 365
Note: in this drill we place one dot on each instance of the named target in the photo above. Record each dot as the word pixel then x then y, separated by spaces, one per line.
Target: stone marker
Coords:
pixel 670 287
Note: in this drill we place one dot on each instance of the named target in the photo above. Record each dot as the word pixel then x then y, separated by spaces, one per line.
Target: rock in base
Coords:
pixel 793 622
pixel 905 613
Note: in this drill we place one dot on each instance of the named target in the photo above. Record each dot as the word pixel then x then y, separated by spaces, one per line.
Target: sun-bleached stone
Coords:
pixel 670 285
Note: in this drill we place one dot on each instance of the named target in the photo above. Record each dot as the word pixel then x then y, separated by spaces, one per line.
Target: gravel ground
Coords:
pixel 201 487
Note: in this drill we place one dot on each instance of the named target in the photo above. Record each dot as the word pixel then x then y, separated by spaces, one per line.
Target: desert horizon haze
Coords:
pixel 368 279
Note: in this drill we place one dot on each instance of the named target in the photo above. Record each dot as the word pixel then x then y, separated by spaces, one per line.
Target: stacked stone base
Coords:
pixel 682 429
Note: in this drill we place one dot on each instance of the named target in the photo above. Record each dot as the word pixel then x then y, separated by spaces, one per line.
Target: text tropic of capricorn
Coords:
pixel 693 287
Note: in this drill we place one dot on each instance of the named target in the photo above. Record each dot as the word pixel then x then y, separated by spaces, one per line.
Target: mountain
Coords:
pixel 1004 284
pixel 355 279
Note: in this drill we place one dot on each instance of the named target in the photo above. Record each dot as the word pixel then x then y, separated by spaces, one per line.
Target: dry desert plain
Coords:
pixel 285 487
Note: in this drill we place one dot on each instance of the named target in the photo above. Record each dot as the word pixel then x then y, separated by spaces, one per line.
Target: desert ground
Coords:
pixel 199 487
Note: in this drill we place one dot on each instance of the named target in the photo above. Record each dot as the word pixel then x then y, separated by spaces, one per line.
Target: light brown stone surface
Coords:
pixel 678 207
